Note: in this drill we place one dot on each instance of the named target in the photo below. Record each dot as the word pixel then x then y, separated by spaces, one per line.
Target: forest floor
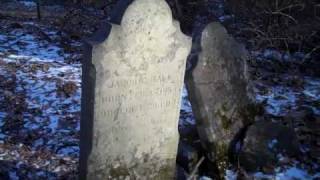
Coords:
pixel 40 102
pixel 40 91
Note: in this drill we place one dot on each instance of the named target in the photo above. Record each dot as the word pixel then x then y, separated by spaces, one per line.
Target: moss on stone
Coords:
pixel 225 121
pixel 222 159
pixel 224 107
pixel 166 173
pixel 119 171
pixel 249 112
pixel 150 168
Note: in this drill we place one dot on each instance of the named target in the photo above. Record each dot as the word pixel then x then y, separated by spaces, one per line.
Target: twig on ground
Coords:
pixel 282 14
pixel 193 173
pixel 302 6
pixel 310 53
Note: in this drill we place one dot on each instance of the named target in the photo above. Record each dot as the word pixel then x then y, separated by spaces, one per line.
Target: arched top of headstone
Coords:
pixel 216 41
pixel 137 15
pixel 215 32
pixel 120 9
pixel 148 26
pixel 155 14
pixel 147 35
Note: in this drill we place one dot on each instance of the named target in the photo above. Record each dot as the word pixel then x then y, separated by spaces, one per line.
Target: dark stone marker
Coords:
pixel 217 86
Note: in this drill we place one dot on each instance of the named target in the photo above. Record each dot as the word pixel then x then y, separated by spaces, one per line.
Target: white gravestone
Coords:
pixel 139 71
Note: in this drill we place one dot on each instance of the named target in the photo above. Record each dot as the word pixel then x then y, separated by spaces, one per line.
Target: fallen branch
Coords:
pixel 193 173
pixel 310 53
pixel 283 14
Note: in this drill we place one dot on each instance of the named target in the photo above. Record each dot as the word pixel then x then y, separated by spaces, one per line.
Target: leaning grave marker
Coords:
pixel 131 96
pixel 219 93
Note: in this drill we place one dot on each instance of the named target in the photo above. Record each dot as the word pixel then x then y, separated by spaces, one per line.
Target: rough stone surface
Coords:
pixel 265 144
pixel 139 73
pixel 217 85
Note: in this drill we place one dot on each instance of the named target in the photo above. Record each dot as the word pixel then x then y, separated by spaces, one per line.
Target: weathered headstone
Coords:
pixel 131 97
pixel 217 86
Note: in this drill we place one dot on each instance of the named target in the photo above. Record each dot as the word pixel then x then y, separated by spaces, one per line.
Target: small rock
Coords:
pixel 264 141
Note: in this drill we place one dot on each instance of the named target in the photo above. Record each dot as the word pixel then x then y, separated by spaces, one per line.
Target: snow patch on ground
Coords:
pixel 280 100
pixel 51 88
pixel 312 93
pixel 231 175
pixel 276 55
pixel 28 3
pixel 185 103
pixel 289 173
pixel 41 85
pixel 186 110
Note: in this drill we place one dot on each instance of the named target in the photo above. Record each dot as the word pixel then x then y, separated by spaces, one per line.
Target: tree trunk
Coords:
pixel 38 10
pixel 179 10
